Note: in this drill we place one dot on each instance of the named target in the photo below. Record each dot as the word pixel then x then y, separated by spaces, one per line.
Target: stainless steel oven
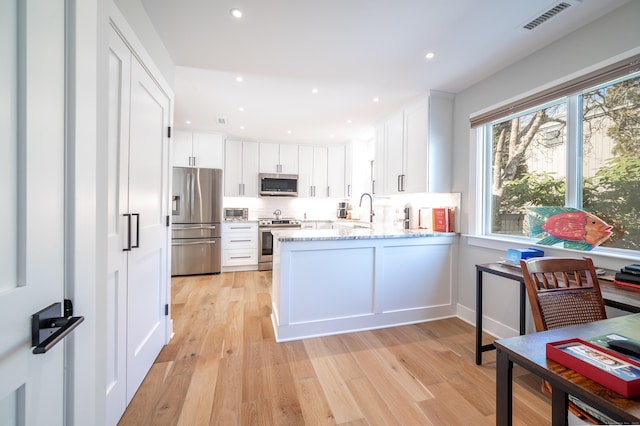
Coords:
pixel 265 239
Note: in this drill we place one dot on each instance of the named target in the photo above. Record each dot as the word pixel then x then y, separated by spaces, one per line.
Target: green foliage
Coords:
pixel 613 194
pixel 532 189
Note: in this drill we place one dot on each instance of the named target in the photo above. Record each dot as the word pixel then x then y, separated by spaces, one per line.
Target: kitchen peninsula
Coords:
pixel 333 281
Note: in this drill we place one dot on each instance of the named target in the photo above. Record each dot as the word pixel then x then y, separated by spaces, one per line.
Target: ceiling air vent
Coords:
pixel 222 120
pixel 547 15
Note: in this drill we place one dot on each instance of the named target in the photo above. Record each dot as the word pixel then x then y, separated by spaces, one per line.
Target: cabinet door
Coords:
pixel 233 168
pixel 269 157
pixel 379 164
pixel 250 167
pixel 320 169
pixel 208 150
pixel 348 170
pixel 417 148
pixel 289 159
pixel 305 177
pixel 394 153
pixel 182 148
pixel 336 171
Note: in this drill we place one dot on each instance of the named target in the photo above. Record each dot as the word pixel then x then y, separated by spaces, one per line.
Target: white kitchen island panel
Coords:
pixel 336 281
pixel 338 287
pixel 416 276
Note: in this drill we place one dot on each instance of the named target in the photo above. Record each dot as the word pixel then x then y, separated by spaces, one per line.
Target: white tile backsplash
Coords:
pixel 388 209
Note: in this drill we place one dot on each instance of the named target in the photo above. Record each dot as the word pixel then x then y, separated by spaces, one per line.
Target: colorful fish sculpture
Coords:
pixel 577 229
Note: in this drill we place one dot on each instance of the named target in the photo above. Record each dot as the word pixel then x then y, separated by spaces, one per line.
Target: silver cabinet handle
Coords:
pixel 240 257
pixel 239 241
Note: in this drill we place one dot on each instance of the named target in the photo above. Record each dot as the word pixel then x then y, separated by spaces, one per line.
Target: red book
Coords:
pixel 626 284
pixel 442 218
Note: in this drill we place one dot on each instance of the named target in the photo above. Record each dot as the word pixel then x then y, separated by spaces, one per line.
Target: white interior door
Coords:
pixel 32 227
pixel 148 195
pixel 138 233
pixel 118 204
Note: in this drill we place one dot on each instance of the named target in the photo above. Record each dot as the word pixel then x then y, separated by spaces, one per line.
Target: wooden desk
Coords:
pixel 626 299
pixel 529 351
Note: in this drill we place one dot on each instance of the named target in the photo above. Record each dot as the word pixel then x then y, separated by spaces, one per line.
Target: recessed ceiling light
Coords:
pixel 289 131
pixel 314 91
pixel 241 109
pixel 241 127
pixel 376 99
pixel 239 79
pixel 236 13
pixel 188 122
pixel 332 136
pixel 349 121
pixel 430 55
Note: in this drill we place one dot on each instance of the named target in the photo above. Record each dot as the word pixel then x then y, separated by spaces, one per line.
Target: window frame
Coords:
pixel 574 159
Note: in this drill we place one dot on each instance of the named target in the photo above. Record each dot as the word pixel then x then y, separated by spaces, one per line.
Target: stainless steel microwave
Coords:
pixel 278 185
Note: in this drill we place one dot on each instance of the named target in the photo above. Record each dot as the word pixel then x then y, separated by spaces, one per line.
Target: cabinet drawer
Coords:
pixel 240 241
pixel 239 257
pixel 232 228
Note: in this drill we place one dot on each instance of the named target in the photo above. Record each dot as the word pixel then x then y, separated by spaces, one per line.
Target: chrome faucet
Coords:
pixel 371 213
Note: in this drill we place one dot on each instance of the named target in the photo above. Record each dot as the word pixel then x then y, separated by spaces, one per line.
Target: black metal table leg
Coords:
pixel 504 389
pixel 478 317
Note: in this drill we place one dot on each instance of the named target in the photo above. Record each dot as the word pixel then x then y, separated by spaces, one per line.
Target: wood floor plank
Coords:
pixel 224 367
pixel 198 401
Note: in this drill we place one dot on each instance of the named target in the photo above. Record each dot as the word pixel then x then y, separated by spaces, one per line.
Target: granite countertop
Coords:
pixel 378 231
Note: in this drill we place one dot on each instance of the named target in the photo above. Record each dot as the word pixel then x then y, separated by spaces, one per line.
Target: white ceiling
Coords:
pixel 350 50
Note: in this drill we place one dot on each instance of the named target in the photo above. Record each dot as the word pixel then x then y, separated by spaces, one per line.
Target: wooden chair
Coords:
pixel 564 292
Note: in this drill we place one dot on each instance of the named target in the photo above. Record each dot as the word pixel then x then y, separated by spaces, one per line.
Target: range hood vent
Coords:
pixel 547 15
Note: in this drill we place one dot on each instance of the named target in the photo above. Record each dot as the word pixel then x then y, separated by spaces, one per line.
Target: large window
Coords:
pixel 581 150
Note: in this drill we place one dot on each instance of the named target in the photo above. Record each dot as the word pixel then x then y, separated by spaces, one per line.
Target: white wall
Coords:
pixel 613 36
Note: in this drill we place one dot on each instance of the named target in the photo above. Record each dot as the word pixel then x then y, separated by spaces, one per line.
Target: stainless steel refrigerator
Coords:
pixel 196 217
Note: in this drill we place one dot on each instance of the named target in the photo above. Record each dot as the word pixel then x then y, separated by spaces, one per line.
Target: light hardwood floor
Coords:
pixel 224 367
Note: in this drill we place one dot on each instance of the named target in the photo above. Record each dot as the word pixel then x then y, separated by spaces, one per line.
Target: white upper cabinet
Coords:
pixel 413 148
pixel 241 168
pixel 348 170
pixel 336 171
pixel 197 149
pixel 278 158
pixel 312 181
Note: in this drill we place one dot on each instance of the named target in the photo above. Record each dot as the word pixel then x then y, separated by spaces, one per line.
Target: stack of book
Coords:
pixel 628 276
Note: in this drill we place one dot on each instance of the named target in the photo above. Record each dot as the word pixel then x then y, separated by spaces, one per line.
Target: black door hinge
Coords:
pixel 167 220
pixel 169 132
pixel 166 310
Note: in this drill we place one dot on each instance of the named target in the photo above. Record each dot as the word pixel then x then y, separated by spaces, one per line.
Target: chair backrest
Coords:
pixel 562 291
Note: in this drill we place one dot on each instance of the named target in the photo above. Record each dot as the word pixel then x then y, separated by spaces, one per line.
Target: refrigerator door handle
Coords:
pixel 137 215
pixel 192 243
pixel 128 247
pixel 192 191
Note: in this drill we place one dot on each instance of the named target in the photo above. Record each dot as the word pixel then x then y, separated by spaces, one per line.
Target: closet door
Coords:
pixel 117 206
pixel 138 165
pixel 148 191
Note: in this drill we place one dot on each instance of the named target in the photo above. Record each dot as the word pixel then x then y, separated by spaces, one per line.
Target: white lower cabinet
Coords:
pixel 239 246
